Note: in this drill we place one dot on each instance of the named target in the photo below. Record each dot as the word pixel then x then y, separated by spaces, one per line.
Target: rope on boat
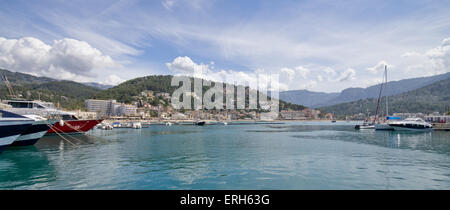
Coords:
pixel 80 131
pixel 51 127
pixel 61 131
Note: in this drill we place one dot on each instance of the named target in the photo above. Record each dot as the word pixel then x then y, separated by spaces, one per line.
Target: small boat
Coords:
pixel 137 125
pixel 333 121
pixel 168 124
pixel 11 126
pixel 116 125
pixel 106 126
pixel 411 124
pixel 200 123
pixel 35 132
pixel 365 125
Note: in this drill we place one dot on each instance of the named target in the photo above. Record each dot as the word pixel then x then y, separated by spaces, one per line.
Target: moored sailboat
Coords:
pixel 385 125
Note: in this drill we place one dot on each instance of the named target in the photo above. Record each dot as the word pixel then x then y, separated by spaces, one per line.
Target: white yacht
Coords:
pixel 35 132
pixel 11 127
pixel 411 124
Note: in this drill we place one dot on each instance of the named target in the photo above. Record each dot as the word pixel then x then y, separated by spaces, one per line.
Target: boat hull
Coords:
pixel 401 128
pixel 383 126
pixel 31 135
pixel 364 127
pixel 10 131
pixel 73 126
pixel 200 123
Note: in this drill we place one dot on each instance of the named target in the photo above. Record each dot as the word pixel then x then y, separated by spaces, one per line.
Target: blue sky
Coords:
pixel 315 45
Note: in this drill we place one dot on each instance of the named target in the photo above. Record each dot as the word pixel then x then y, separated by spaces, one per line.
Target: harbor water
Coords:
pixel 292 155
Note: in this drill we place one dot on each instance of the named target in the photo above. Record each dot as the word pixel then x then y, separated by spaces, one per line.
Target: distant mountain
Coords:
pixel 68 94
pixel 306 97
pixel 98 85
pixel 17 78
pixel 431 98
pixel 318 99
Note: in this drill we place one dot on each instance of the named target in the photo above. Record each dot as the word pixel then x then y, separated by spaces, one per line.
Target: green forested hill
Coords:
pixel 431 98
pixel 158 83
pixel 71 95
pixel 125 91
pixel 16 78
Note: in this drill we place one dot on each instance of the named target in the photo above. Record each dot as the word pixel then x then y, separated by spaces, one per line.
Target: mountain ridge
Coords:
pixel 431 98
pixel 353 94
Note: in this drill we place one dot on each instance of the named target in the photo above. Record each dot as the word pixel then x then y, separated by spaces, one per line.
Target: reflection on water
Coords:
pixel 294 155
pixel 25 168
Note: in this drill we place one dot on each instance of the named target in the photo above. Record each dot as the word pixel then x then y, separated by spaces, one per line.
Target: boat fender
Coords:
pixel 61 123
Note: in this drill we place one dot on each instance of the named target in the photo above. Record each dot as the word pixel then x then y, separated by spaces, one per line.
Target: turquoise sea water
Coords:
pixel 294 155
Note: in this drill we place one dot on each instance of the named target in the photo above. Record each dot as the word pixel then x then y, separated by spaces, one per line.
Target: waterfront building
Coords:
pixel 438 118
pixel 110 108
pixel 102 107
pixel 85 115
pixel 292 115
pixel 127 110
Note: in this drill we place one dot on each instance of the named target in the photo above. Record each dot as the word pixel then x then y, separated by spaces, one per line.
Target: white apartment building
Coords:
pixel 102 107
pixel 110 108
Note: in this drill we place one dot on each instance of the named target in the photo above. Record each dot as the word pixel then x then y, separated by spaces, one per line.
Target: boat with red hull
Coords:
pixel 68 123
pixel 73 126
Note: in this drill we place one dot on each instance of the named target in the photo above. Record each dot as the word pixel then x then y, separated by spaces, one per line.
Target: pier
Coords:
pixel 441 126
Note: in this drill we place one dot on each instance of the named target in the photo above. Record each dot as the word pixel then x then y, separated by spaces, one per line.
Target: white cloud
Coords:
pixel 329 71
pixel 347 75
pixel 258 78
pixel 302 71
pixel 439 57
pixel 288 72
pixel 65 59
pixel 168 4
pixel 319 78
pixel 194 4
pixel 411 54
pixel 185 65
pixel 113 80
pixel 379 67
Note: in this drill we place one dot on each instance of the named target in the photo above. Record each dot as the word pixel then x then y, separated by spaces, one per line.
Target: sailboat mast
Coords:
pixel 378 101
pixel 385 90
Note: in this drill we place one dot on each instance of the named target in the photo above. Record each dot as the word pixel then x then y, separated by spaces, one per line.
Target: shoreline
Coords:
pixel 218 121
